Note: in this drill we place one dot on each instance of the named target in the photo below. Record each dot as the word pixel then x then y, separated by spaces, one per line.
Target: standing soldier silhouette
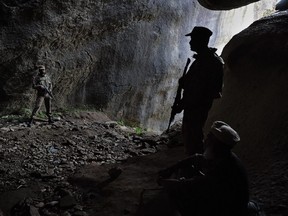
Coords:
pixel 202 84
pixel 42 84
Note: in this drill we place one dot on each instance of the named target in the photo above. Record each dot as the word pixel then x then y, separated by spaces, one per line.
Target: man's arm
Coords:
pixel 35 83
pixel 194 160
pixel 197 183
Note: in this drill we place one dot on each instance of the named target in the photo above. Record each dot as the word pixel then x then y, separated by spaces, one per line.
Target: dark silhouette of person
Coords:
pixel 202 84
pixel 213 183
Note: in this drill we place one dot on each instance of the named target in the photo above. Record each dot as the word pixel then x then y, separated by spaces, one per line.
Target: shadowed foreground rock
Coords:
pixel 255 97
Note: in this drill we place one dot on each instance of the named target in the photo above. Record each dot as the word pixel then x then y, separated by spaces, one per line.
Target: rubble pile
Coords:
pixel 36 162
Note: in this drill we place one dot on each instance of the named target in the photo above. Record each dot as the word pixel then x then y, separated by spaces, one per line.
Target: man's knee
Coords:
pixel 35 109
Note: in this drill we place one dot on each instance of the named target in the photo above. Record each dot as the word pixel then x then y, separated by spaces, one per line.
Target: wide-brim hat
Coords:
pixel 225 134
pixel 199 31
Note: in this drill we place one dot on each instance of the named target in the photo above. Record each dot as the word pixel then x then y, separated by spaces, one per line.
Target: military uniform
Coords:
pixel 202 84
pixel 42 83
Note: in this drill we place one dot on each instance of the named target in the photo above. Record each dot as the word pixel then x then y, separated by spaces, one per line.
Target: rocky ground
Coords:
pixel 85 164
pixel 38 163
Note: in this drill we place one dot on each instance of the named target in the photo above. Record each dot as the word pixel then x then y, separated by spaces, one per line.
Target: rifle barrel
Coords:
pixel 178 96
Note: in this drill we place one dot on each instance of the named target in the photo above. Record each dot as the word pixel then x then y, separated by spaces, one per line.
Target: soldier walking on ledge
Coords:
pixel 42 84
pixel 202 84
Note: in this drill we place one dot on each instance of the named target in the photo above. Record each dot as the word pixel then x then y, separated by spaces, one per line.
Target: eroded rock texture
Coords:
pixel 121 56
pixel 111 55
pixel 255 94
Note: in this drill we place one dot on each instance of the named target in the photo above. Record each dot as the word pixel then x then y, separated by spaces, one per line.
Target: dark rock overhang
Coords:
pixel 282 5
pixel 224 4
pixel 265 42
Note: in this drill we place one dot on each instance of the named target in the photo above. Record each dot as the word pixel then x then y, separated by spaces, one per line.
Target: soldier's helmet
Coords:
pixel 41 67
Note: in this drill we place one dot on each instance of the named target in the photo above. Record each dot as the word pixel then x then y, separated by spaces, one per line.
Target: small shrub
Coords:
pixel 138 130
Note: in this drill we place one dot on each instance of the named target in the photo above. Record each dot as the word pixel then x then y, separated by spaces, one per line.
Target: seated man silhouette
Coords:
pixel 213 183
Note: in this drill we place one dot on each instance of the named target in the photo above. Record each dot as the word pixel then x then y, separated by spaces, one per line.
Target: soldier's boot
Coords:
pixel 50 120
pixel 30 122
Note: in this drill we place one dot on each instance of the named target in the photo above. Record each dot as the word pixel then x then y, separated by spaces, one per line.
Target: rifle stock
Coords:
pixel 178 97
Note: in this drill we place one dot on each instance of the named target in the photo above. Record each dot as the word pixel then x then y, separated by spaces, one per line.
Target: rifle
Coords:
pixel 49 92
pixel 178 97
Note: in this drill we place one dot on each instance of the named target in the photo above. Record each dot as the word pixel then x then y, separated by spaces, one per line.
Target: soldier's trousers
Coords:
pixel 38 103
pixel 194 119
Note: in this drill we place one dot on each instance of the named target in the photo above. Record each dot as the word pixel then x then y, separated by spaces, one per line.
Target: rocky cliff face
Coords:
pixel 123 56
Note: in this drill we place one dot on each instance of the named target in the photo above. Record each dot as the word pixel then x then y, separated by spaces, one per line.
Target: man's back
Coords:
pixel 228 188
pixel 204 79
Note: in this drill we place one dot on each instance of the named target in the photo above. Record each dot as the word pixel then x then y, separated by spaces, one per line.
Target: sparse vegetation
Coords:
pixel 121 122
pixel 25 114
pixel 138 130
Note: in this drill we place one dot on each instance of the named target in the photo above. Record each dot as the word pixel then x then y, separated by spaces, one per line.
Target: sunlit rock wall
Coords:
pixel 150 57
pixel 123 57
